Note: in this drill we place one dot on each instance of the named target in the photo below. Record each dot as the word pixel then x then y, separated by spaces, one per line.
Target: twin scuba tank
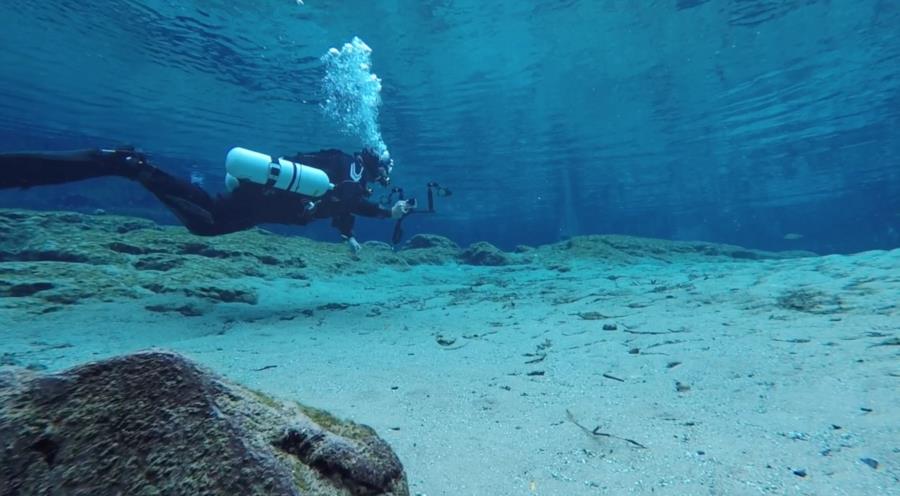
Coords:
pixel 242 164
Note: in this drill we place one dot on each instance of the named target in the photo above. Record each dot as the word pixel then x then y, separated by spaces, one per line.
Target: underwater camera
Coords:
pixel 433 188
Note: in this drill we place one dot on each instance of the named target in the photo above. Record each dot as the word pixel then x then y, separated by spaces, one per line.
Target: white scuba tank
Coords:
pixel 242 164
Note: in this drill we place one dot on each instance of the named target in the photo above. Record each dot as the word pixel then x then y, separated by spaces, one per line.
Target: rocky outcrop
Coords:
pixel 483 253
pixel 628 249
pixel 155 423
pixel 429 249
pixel 420 241
pixel 49 260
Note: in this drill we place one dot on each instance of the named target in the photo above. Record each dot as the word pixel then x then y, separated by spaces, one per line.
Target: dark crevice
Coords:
pixel 46 447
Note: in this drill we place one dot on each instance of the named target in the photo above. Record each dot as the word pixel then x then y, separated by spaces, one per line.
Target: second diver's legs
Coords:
pixel 193 206
pixel 24 170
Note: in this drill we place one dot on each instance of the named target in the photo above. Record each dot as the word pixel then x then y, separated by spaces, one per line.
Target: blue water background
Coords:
pixel 735 121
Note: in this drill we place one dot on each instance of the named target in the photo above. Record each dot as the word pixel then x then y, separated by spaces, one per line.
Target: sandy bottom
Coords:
pixel 756 377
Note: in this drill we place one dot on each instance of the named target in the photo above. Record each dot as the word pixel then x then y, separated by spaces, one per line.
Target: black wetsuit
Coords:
pixel 246 206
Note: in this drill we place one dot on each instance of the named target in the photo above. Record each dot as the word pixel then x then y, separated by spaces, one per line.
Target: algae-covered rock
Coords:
pixel 58 259
pixel 627 249
pixel 483 253
pixel 428 249
pixel 155 423
pixel 420 241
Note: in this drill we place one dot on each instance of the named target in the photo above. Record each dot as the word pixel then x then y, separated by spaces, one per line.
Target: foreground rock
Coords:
pixel 155 423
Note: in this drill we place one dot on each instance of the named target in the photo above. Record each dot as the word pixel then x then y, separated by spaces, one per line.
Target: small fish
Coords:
pixel 793 236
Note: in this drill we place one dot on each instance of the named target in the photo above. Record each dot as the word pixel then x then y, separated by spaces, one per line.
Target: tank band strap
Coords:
pixel 293 177
pixel 274 172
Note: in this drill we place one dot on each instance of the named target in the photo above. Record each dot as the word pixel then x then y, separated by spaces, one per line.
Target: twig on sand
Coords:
pixel 656 333
pixel 596 432
pixel 267 367
pixel 451 348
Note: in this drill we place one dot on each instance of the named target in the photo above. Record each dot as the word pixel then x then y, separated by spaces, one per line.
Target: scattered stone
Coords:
pixel 634 351
pixel 224 295
pixel 798 436
pixel 560 267
pixel 127 248
pixel 333 306
pixel 672 365
pixel 155 423
pixel 610 327
pixel 190 308
pixel 870 462
pixel 800 472
pixel 895 341
pixel 444 341
pixel 592 316
pixel 808 301
pixel 162 263
pixel 9 359
pixel 26 289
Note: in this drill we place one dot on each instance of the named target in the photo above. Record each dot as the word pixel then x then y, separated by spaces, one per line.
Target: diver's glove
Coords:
pixel 354 245
pixel 401 208
pixel 126 160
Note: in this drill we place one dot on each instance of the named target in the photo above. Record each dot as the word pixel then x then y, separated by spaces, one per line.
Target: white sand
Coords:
pixel 771 390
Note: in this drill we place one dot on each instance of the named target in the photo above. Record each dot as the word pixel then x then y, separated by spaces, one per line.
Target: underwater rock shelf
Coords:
pixel 52 259
pixel 156 423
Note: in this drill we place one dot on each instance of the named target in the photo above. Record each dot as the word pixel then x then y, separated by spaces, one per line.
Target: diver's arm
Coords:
pixel 367 208
pixel 370 209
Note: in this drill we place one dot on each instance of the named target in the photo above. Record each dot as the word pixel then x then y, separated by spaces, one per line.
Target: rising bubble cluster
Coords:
pixel 353 93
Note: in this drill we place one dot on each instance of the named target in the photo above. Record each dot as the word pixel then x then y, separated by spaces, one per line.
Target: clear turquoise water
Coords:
pixel 739 122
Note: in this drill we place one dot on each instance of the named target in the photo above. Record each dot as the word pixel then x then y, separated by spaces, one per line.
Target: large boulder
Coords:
pixel 484 253
pixel 429 249
pixel 155 423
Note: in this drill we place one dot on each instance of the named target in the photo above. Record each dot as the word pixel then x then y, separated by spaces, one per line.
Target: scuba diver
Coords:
pixel 261 188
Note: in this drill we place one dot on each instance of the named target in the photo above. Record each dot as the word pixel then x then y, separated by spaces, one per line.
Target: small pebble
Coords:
pixel 634 351
pixel 870 462
pixel 609 327
pixel 800 472
pixel 798 436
